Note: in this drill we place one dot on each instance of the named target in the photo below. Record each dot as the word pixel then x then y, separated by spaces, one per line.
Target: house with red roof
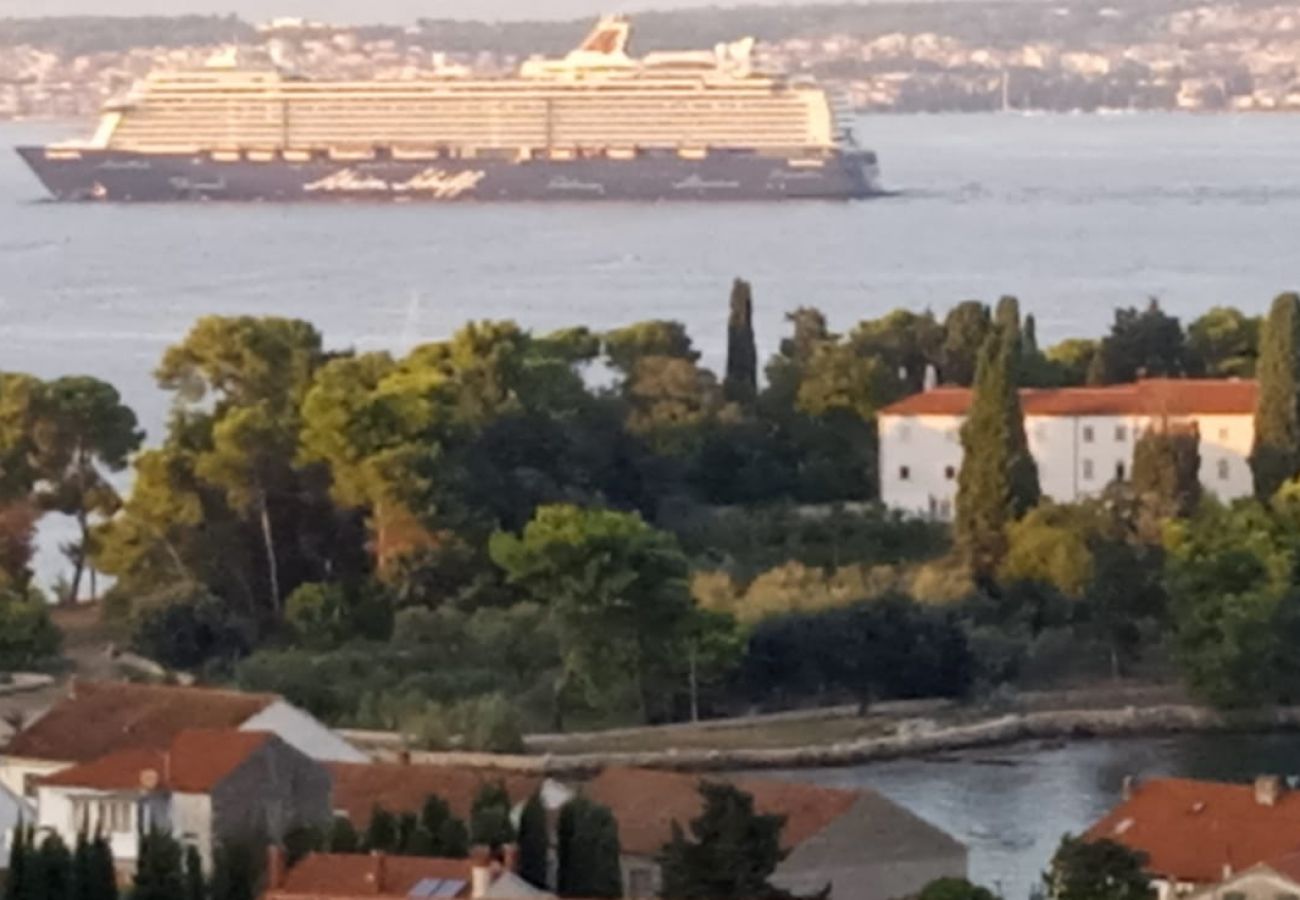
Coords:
pixel 1197 835
pixel 340 876
pixel 865 846
pixel 95 719
pixel 204 787
pixel 402 787
pixel 1081 438
pixel 1278 879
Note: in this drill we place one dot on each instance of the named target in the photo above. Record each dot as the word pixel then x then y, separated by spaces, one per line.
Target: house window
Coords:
pixel 949 472
pixel 640 882
pixel 1121 434
pixel 1119 471
pixel 1224 434
pixel 110 816
pixel 1087 434
pixel 1225 470
pixel 904 473
pixel 1087 470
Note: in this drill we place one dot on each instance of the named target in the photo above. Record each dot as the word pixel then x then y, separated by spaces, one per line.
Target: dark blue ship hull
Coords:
pixel 122 176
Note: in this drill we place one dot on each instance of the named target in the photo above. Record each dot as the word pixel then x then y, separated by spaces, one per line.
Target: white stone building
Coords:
pixel 1081 438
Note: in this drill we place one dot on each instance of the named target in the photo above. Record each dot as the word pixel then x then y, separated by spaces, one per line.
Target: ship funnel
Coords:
pixel 610 36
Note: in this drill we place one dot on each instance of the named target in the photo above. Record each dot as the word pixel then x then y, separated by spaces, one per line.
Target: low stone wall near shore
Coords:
pixel 916 738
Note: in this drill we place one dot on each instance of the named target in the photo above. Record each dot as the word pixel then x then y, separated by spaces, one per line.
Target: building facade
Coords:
pixel 1081 438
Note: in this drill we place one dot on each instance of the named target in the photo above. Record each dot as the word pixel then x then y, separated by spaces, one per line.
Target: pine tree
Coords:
pixel 1167 471
pixel 731 851
pixel 741 383
pixel 342 837
pixel 236 871
pixel 52 874
pixel 534 843
pixel 449 835
pixel 998 482
pixel 1276 455
pixel 489 822
pixel 103 870
pixel 159 871
pixel 83 871
pixel 17 874
pixel 381 833
pixel 588 851
pixel 196 887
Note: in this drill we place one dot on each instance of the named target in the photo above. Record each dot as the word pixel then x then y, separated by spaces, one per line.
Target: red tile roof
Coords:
pixel 337 875
pixel 646 803
pixel 1201 831
pixel 194 763
pixel 96 719
pixel 399 788
pixel 1150 397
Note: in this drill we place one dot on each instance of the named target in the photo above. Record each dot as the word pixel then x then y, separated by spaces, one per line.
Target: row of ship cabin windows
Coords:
pixel 1087 434
pixel 1087 470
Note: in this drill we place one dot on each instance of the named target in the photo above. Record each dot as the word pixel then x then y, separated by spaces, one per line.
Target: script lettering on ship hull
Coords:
pixel 437 182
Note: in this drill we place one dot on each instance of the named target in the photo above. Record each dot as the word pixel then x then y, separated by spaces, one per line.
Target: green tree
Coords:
pixel 1096 870
pixel 1235 611
pixel 1071 361
pixel 741 384
pixel 82 432
pixel 617 589
pixel 587 851
pixel 19 868
pixel 906 343
pixel 534 843
pixel 1167 470
pixel 955 889
pixel 51 876
pixel 19 401
pixel 730 853
pixel 159 873
pixel 450 837
pixel 966 331
pixel 103 870
pixel 998 482
pixel 342 837
pixel 196 886
pixel 627 346
pixel 236 869
pixel 1224 343
pixel 1276 454
pixel 489 822
pixel 1141 344
pixel 381 833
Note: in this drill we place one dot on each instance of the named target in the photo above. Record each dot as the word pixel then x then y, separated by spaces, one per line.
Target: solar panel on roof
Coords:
pixel 435 887
pixel 450 887
pixel 424 887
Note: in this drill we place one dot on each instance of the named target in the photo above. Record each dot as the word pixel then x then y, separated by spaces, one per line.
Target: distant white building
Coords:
pixel 1081 438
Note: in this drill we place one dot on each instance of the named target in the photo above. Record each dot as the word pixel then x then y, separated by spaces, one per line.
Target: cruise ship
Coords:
pixel 597 124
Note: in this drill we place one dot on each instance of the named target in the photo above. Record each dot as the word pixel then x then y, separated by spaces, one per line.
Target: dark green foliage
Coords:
pixel 965 331
pixel 50 870
pixel 102 870
pixel 342 837
pixel 1167 470
pixel 730 853
pixel 587 850
pixel 448 834
pixel 1096 870
pixel 236 870
pixel 1141 344
pixel 159 873
pixel 190 628
pixel 741 382
pixel 303 840
pixel 381 833
pixel 196 886
pixel 534 843
pixel 1276 455
pixel 998 481
pixel 955 889
pixel 1224 343
pixel 890 648
pixel 20 864
pixel 489 822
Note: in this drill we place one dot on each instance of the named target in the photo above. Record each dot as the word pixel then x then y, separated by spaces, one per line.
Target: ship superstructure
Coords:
pixel 568 120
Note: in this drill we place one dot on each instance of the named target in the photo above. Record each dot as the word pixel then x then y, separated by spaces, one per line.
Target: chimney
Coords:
pixel 481 876
pixel 379 870
pixel 510 857
pixel 1130 787
pixel 274 867
pixel 1268 790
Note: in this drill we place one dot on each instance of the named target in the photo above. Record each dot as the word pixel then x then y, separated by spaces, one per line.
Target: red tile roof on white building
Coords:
pixel 1149 397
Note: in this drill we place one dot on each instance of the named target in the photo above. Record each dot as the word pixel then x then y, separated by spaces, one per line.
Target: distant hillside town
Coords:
pixel 902 57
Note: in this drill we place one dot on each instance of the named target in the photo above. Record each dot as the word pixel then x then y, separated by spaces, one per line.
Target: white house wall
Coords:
pixel 13 811
pixel 1077 457
pixel 304 733
pixel 19 774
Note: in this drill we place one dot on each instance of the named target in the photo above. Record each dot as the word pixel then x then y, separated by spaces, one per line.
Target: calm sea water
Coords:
pixel 1074 214
pixel 1012 806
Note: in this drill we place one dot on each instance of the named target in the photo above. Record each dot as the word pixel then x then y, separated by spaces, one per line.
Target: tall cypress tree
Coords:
pixel 1276 455
pixel 587 850
pixel 83 871
pixel 998 482
pixel 741 382
pixel 489 821
pixel 196 887
pixel 1007 318
pixel 730 854
pixel 52 879
pixel 16 876
pixel 381 833
pixel 159 872
pixel 103 870
pixel 534 843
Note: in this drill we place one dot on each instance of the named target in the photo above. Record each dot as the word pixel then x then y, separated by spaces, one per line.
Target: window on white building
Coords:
pixel 1087 470
pixel 904 473
pixel 1224 434
pixel 1087 434
pixel 1120 473
pixel 106 815
pixel 950 472
pixel 1121 434
pixel 1225 470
